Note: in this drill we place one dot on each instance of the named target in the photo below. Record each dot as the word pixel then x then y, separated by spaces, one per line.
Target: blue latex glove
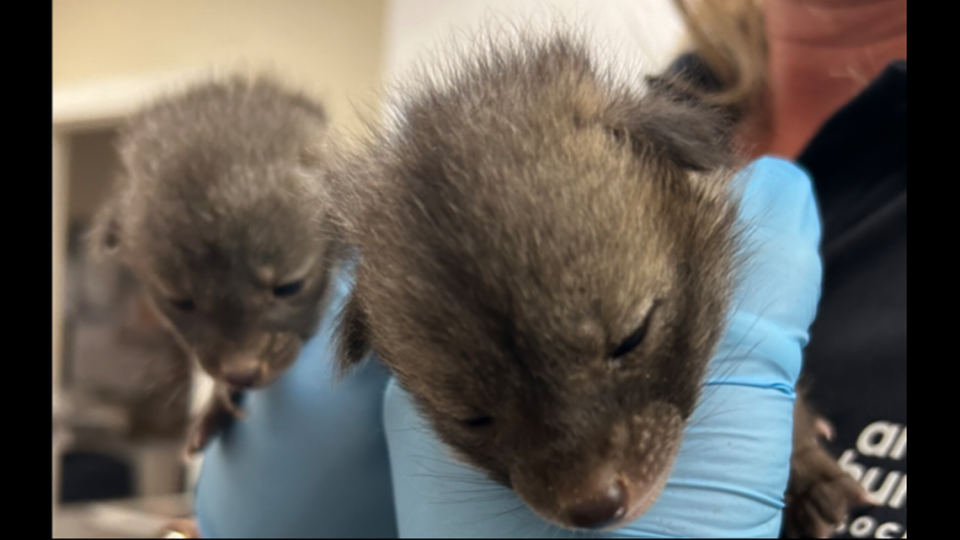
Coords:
pixel 729 478
pixel 310 459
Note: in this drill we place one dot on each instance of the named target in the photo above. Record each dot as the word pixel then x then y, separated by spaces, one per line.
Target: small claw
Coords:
pixel 193 448
pixel 229 405
pixel 825 429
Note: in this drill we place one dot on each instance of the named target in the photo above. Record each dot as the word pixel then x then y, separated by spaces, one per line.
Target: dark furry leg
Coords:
pixel 820 493
pixel 220 412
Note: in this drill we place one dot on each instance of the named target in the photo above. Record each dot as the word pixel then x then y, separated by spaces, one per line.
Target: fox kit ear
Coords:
pixel 694 135
pixel 350 335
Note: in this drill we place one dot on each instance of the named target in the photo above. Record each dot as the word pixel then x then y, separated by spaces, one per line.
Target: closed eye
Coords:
pixel 635 339
pixel 631 342
pixel 183 305
pixel 477 422
pixel 288 289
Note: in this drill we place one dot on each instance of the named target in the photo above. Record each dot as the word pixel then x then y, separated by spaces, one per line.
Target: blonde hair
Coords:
pixel 728 37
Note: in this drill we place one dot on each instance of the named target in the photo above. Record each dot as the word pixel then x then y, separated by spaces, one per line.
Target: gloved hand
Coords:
pixel 310 459
pixel 731 473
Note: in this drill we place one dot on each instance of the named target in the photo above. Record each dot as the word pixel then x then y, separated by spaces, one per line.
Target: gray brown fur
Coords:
pixel 512 231
pixel 209 209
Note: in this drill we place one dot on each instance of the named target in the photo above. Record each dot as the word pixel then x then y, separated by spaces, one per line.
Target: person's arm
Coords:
pixel 731 474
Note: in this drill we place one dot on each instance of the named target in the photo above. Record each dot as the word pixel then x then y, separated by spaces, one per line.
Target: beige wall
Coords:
pixel 330 48
pixel 639 35
pixel 93 164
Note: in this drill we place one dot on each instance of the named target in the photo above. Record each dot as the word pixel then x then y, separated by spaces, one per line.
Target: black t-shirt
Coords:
pixel 857 356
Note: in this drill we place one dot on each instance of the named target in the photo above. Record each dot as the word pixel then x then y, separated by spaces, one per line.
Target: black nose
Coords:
pixel 242 378
pixel 600 510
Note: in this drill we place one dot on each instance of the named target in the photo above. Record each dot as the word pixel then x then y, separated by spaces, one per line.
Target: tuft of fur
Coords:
pixel 210 212
pixel 526 216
